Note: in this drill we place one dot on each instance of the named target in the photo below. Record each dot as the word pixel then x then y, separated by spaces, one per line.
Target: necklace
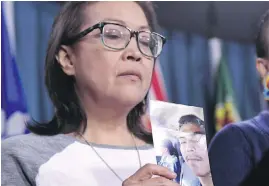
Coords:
pixel 112 170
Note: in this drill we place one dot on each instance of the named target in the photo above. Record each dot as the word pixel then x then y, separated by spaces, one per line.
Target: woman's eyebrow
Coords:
pixel 115 20
pixel 144 27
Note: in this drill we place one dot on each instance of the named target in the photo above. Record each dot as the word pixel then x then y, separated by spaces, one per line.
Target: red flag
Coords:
pixel 156 92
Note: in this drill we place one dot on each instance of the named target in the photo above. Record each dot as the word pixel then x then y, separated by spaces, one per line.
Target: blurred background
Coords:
pixel 208 60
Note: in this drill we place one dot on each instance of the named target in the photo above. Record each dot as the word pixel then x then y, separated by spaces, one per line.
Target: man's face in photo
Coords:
pixel 193 147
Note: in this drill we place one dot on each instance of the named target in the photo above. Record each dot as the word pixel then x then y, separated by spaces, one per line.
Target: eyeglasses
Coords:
pixel 117 37
pixel 193 138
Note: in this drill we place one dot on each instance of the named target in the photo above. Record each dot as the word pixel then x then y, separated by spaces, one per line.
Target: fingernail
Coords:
pixel 174 174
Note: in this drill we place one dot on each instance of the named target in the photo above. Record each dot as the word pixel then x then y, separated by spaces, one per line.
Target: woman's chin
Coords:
pixel 132 102
pixel 129 100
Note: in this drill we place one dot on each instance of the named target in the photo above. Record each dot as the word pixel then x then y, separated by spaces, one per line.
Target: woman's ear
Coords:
pixel 262 66
pixel 64 59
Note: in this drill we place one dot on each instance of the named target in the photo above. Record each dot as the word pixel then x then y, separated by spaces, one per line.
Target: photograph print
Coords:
pixel 180 142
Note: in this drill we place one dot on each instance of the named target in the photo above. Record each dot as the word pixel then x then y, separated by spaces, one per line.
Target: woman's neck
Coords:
pixel 206 180
pixel 109 128
pixel 107 122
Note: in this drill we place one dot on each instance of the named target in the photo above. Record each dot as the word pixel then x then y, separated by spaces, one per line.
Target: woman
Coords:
pixel 99 66
pixel 239 153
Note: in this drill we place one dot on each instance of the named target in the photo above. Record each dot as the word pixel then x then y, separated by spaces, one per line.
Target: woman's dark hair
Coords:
pixel 69 115
pixel 262 47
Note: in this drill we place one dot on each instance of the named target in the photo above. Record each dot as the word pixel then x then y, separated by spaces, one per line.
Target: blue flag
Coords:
pixel 13 107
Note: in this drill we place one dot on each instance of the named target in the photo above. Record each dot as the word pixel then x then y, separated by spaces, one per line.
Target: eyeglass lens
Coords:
pixel 118 37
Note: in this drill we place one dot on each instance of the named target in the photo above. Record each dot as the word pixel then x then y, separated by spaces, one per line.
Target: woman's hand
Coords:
pixel 151 175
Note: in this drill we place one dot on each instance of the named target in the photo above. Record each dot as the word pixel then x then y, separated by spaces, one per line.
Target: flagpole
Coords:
pixel 212 23
pixel 8 10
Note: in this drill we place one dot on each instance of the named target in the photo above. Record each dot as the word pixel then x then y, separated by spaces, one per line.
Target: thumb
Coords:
pixel 149 170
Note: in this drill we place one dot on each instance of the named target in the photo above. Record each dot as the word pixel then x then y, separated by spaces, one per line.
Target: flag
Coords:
pixel 157 89
pixel 13 107
pixel 156 92
pixel 225 110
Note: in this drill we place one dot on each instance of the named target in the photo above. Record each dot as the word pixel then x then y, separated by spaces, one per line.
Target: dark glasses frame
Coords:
pixel 101 25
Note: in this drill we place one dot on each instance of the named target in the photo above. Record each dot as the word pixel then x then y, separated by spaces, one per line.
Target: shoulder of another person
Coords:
pixel 237 130
pixel 31 143
pixel 250 129
pixel 18 142
pixel 231 153
pixel 232 135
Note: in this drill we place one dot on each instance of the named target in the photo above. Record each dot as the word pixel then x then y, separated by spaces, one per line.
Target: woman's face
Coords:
pixel 104 74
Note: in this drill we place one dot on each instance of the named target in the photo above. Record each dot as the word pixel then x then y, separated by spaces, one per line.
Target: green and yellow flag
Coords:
pixel 226 111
